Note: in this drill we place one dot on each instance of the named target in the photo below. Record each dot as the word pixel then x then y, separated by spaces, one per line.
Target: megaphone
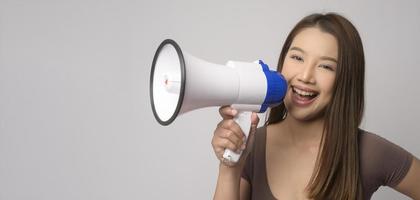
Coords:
pixel 180 82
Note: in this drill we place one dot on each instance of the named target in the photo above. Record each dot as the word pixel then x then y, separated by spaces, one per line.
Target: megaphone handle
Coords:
pixel 243 118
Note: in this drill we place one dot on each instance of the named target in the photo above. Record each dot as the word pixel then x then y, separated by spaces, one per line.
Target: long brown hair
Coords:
pixel 337 172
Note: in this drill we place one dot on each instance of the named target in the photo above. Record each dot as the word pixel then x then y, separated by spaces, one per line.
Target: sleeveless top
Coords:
pixel 382 163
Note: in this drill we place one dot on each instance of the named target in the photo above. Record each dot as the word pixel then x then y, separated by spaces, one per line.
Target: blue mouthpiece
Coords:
pixel 276 87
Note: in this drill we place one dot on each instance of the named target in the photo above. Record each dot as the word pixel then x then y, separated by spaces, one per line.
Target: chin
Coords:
pixel 303 114
pixel 304 117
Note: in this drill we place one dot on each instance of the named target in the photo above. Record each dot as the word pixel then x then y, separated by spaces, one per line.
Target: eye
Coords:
pixel 327 67
pixel 296 57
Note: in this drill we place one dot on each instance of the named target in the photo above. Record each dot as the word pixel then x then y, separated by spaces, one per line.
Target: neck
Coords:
pixel 304 133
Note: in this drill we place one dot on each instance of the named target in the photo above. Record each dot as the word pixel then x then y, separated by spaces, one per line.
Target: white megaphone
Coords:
pixel 180 83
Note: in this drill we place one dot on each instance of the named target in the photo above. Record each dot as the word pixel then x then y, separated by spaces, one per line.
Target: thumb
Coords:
pixel 254 124
pixel 254 120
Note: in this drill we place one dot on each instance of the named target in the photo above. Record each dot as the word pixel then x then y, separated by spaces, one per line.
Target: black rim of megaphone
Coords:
pixel 181 93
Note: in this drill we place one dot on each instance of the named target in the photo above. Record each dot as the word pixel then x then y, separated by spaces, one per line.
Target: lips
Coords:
pixel 303 96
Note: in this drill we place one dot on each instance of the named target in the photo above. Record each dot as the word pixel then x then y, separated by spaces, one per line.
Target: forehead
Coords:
pixel 316 42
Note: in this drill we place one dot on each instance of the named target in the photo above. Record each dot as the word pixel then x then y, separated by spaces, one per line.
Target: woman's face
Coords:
pixel 310 68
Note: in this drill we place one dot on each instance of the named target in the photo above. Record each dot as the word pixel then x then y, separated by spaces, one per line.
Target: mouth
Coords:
pixel 303 96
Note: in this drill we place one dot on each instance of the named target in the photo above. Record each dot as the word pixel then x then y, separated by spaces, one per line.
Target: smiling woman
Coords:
pixel 311 146
pixel 310 75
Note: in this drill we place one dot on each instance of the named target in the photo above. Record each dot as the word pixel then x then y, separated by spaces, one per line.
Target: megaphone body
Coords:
pixel 180 82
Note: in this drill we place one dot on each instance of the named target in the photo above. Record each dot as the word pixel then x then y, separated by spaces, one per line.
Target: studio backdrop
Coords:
pixel 76 121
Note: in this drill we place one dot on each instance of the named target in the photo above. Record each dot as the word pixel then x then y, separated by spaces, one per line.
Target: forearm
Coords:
pixel 228 183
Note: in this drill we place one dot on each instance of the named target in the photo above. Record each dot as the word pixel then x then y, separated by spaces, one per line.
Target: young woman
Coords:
pixel 311 146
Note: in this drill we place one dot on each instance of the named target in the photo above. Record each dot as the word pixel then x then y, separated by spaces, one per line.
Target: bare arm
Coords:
pixel 228 135
pixel 228 183
pixel 228 186
pixel 410 185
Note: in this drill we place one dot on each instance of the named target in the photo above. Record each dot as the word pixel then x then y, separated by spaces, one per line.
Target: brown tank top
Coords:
pixel 382 163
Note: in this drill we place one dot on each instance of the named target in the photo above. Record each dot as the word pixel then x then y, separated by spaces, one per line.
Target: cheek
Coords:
pixel 327 85
pixel 288 71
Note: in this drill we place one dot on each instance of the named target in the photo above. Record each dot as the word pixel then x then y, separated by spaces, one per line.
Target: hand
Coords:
pixel 229 135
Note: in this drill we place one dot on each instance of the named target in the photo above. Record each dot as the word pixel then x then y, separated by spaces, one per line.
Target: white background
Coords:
pixel 75 116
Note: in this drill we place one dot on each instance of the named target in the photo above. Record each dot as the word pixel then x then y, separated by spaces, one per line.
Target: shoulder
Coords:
pixel 375 147
pixel 381 161
pixel 367 137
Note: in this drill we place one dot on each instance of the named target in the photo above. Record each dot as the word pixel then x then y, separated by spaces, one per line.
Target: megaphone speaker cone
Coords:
pixel 167 82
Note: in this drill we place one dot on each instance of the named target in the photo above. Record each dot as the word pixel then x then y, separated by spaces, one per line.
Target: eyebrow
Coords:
pixel 297 49
pixel 322 57
pixel 329 58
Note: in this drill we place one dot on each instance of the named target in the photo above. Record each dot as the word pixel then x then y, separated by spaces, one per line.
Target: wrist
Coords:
pixel 231 171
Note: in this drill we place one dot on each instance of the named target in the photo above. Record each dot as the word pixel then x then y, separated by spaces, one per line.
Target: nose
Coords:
pixel 306 75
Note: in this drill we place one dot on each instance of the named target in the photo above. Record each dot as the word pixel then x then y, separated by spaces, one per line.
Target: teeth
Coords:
pixel 304 93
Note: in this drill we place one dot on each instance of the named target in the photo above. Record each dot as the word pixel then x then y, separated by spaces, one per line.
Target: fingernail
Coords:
pixel 234 112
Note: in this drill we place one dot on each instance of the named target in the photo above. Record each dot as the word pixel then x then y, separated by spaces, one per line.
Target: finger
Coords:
pixel 225 143
pixel 218 146
pixel 218 150
pixel 230 124
pixel 230 135
pixel 254 119
pixel 227 112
